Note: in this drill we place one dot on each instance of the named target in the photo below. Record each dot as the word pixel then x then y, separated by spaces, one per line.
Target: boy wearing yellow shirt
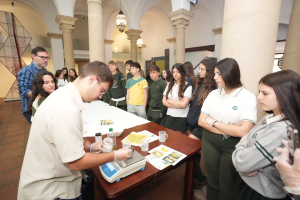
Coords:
pixel 137 92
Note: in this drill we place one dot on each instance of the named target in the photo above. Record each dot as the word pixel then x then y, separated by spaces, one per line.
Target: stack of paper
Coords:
pixel 135 138
pixel 163 156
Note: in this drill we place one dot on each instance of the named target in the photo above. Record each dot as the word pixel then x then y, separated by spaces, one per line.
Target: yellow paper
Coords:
pixel 135 138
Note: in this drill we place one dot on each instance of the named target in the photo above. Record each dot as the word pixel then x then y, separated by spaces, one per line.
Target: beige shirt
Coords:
pixel 55 139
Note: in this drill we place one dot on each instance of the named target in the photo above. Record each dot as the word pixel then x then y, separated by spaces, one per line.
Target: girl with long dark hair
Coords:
pixel 189 70
pixel 65 73
pixel 176 97
pixel 61 81
pixel 44 83
pixel 204 85
pixel 279 95
pixel 166 75
pixel 73 75
pixel 221 110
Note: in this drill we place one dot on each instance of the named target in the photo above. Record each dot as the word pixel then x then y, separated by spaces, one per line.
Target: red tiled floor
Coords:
pixel 12 122
pixel 18 124
pixel 11 154
pixel 10 176
pixel 11 163
pixel 13 145
pixel 15 133
pixel 17 119
pixel 13 139
pixel 9 192
pixel 15 128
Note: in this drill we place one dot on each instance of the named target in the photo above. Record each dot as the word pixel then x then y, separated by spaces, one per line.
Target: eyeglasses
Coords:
pixel 43 57
pixel 102 92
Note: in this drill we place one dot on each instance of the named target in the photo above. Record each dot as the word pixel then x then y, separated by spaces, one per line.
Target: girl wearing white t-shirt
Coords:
pixel 221 110
pixel 176 97
pixel 61 80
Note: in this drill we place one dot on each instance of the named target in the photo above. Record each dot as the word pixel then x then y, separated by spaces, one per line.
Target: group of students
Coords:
pixel 216 109
pixel 63 78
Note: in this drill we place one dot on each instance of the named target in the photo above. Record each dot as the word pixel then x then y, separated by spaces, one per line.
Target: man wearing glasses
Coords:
pixel 56 152
pixel 25 77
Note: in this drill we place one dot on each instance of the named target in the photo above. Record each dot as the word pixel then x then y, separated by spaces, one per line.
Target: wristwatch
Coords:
pixel 213 125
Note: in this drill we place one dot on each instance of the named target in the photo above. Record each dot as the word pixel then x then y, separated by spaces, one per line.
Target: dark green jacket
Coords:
pixel 129 75
pixel 118 89
pixel 156 91
pixel 72 79
pixel 149 80
pixel 33 109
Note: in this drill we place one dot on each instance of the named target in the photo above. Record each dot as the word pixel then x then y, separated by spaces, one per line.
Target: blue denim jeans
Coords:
pixel 27 116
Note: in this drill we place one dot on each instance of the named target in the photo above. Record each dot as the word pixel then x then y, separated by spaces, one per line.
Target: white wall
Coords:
pixel 199 31
pixel 156 29
pixel 120 42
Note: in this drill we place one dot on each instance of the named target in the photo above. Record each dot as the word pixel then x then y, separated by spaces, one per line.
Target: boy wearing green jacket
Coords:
pixel 156 108
pixel 117 93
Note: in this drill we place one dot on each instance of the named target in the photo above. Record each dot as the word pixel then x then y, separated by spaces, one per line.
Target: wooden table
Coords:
pixel 132 183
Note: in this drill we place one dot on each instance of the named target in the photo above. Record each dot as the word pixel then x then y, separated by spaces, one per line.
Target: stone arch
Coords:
pixel 157 28
pixel 110 25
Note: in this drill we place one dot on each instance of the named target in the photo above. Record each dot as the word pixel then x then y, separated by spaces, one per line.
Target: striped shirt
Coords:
pixel 25 79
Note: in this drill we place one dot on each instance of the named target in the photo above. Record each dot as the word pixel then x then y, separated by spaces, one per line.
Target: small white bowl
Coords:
pixel 119 132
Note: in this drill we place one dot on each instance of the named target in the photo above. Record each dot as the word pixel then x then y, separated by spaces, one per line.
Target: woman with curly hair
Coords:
pixel 204 85
pixel 44 83
pixel 176 97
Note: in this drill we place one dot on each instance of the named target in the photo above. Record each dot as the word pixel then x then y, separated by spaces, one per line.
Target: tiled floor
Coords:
pixel 14 132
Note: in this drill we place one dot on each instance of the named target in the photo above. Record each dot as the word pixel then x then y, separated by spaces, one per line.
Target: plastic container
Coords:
pixel 112 135
pixel 107 144
pixel 98 137
pixel 145 144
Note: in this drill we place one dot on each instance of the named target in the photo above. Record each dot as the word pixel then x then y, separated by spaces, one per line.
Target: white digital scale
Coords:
pixel 114 171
